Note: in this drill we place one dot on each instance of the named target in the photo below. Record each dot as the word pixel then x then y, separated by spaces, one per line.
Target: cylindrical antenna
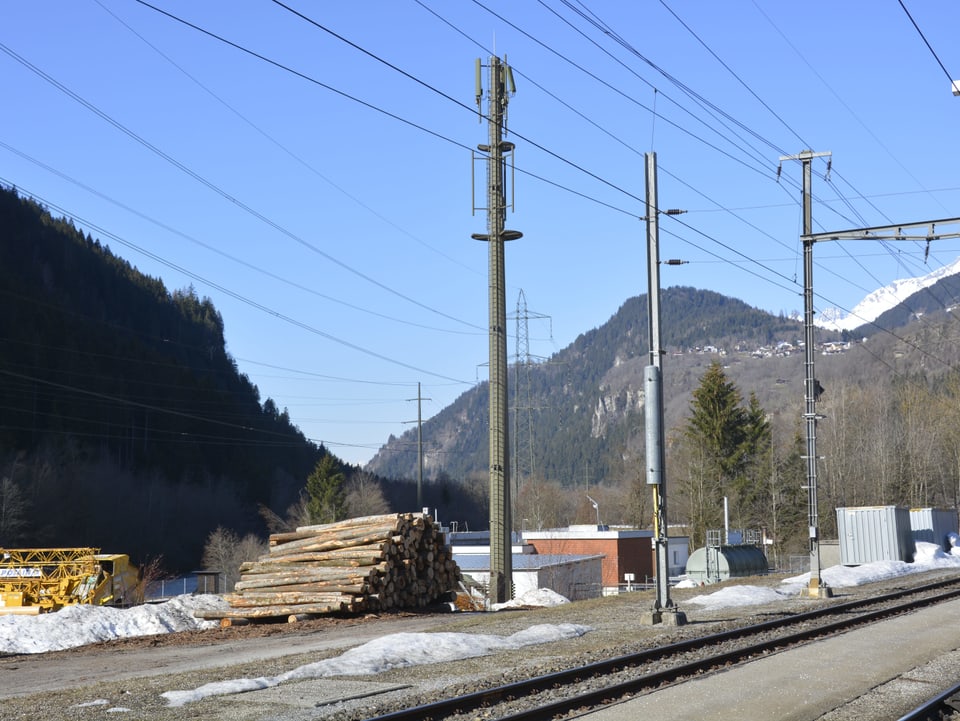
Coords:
pixel 478 81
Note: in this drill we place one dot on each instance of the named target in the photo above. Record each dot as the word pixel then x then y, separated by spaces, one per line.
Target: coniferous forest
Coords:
pixel 126 426
pixel 124 423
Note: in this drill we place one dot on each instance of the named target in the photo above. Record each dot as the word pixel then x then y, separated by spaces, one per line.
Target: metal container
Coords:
pixel 713 564
pixel 933 525
pixel 874 533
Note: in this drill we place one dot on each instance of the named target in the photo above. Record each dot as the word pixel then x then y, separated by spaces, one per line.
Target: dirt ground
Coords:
pixel 129 675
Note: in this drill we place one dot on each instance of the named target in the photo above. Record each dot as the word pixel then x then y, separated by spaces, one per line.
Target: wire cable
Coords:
pixel 257 305
pixel 215 188
pixel 213 249
pixel 926 42
pixel 286 150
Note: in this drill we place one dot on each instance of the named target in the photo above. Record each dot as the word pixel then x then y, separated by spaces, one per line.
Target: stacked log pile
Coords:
pixel 372 563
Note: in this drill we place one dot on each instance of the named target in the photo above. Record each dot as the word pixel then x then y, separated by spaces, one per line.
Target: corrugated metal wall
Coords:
pixel 874 533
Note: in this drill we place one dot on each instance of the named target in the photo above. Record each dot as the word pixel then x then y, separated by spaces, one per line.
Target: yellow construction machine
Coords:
pixel 39 580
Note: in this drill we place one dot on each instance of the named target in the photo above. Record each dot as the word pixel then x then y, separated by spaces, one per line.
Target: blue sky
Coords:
pixel 312 175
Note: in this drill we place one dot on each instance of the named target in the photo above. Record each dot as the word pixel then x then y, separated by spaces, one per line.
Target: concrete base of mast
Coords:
pixel 665 616
pixel 816 589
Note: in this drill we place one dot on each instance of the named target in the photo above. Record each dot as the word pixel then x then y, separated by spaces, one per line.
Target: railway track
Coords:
pixel 596 684
pixel 942 707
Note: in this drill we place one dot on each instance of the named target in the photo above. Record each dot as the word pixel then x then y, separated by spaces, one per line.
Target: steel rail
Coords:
pixel 936 708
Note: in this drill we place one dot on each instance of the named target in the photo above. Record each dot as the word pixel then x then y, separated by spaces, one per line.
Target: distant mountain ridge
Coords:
pixel 884 300
pixel 583 406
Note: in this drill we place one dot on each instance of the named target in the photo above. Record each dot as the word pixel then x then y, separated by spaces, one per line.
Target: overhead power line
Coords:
pixel 256 304
pixel 213 249
pixel 217 189
pixel 393 115
pixel 285 149
pixel 926 42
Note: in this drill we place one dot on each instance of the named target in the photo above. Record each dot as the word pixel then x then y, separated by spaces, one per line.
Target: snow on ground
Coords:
pixel 80 625
pixel 928 556
pixel 398 650
pixel 540 597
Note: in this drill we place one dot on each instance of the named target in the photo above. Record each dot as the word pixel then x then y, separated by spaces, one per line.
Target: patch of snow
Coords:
pixel 398 650
pixel 541 597
pixel 927 557
pixel 82 624
pixel 733 596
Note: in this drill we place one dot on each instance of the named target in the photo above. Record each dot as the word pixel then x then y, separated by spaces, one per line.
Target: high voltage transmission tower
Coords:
pixel 523 436
pixel 500 87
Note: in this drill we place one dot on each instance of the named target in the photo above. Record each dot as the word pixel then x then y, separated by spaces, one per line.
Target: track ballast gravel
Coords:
pixel 126 677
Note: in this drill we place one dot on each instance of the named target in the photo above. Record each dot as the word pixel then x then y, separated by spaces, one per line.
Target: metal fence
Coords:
pixel 798 564
pixel 183 585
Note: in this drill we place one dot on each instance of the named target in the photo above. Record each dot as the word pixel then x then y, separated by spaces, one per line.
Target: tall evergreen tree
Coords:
pixel 717 425
pixel 326 496
pixel 720 440
pixel 751 507
pixel 787 524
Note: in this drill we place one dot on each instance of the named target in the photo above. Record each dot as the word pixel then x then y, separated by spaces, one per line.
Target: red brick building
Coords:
pixel 624 551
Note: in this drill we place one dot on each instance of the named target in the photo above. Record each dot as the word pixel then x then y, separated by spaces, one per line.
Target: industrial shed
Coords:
pixel 874 533
pixel 624 551
pixel 620 552
pixel 574 577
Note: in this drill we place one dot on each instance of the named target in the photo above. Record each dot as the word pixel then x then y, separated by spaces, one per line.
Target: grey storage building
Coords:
pixel 874 533
pixel 574 577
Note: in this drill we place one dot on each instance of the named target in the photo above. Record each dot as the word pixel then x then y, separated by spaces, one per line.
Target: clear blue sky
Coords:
pixel 322 198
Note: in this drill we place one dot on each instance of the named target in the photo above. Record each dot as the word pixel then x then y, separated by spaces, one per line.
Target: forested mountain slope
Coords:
pixel 583 406
pixel 887 419
pixel 124 423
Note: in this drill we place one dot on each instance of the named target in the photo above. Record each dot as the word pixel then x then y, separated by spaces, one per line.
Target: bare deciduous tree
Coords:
pixel 365 496
pixel 541 504
pixel 225 551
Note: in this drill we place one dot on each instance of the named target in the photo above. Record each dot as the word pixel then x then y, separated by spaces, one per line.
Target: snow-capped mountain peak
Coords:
pixel 882 300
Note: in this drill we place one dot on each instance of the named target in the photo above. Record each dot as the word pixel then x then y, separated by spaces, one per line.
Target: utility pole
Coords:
pixel 419 399
pixel 812 388
pixel 816 588
pixel 499 91
pixel 664 611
